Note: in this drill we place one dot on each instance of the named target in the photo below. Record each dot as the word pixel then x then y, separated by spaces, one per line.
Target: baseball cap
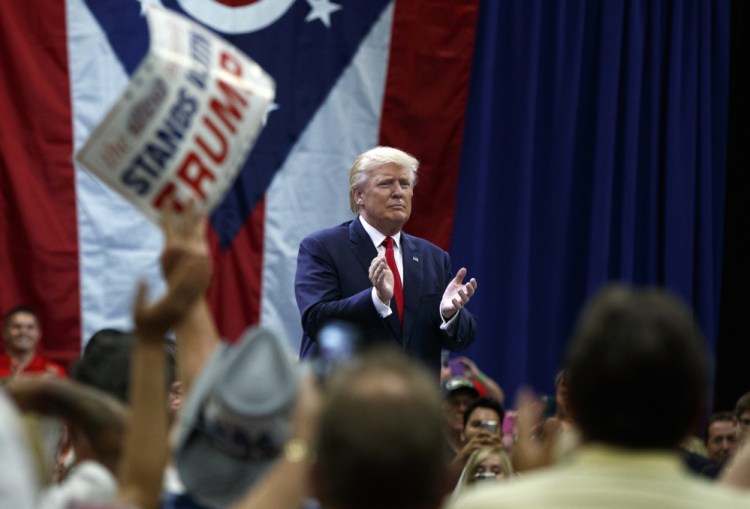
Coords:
pixel 459 383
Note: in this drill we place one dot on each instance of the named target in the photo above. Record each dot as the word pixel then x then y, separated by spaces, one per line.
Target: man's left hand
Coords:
pixel 457 294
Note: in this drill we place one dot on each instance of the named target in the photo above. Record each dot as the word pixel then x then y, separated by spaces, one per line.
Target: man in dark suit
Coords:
pixel 343 273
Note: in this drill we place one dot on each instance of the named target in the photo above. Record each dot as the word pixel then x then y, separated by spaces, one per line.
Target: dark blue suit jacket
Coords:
pixel 332 283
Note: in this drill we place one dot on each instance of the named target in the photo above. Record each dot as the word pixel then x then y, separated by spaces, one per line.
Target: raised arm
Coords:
pixel 188 272
pixel 493 388
pixel 196 333
pixel 96 419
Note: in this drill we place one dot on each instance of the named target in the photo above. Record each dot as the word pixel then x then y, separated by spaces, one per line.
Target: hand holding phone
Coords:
pixel 458 368
pixel 491 426
pixel 338 341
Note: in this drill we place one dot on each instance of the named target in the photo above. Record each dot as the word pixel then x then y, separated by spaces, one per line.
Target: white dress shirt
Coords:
pixel 384 309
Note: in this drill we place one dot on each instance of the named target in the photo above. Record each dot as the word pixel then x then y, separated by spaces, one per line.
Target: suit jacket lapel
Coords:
pixel 361 244
pixel 413 277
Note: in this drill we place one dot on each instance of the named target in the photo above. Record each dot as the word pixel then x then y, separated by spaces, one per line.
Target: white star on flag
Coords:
pixel 322 10
pixel 271 107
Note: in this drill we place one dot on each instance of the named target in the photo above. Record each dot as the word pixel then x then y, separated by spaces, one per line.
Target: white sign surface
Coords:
pixel 186 122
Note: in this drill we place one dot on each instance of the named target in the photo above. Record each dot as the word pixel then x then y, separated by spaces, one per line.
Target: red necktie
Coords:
pixel 398 292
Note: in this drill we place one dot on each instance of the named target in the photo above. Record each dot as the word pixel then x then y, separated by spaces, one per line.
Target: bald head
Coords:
pixel 380 438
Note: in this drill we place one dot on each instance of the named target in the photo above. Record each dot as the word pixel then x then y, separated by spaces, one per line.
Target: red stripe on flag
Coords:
pixel 425 99
pixel 38 229
pixel 234 296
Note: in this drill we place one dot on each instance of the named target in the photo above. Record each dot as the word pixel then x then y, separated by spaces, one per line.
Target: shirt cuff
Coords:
pixel 384 310
pixel 451 325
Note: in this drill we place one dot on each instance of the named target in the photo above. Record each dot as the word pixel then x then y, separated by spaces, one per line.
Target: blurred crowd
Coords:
pixel 169 415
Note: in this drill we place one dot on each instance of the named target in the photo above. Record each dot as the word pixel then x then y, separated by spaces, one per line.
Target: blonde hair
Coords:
pixel 477 457
pixel 373 159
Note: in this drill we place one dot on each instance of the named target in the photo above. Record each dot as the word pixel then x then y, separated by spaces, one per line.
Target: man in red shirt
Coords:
pixel 21 332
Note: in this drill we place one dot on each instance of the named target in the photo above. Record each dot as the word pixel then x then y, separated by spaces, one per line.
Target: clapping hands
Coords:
pixel 457 294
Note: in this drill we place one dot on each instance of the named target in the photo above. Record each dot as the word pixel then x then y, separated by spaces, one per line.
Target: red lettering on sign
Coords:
pixel 192 178
pixel 168 196
pixel 225 109
pixel 115 150
pixel 219 155
pixel 230 63
pixel 231 106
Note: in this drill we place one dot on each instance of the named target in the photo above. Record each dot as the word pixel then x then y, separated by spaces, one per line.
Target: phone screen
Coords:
pixel 338 342
pixel 457 367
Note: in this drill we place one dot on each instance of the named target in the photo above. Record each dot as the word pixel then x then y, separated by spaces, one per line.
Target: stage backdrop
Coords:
pixel 593 150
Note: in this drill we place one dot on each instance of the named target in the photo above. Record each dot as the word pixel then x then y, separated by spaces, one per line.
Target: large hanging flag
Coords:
pixel 349 75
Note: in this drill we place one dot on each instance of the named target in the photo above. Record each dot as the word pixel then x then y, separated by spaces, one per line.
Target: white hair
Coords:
pixel 373 159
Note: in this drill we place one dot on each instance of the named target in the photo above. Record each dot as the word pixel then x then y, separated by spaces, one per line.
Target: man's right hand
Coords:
pixel 381 278
pixel 534 449
pixel 478 441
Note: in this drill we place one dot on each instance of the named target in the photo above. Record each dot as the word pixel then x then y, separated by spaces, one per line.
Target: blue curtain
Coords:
pixel 594 151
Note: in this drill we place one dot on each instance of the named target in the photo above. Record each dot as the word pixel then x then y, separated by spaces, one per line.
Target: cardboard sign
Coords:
pixel 186 122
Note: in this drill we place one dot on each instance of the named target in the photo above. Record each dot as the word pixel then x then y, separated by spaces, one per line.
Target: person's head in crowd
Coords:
pixel 487 464
pixel 106 359
pixel 721 436
pixel 742 415
pixel 105 362
pixel 379 442
pixel 21 331
pixel 458 393
pixel 464 366
pixel 483 414
pixel 636 358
